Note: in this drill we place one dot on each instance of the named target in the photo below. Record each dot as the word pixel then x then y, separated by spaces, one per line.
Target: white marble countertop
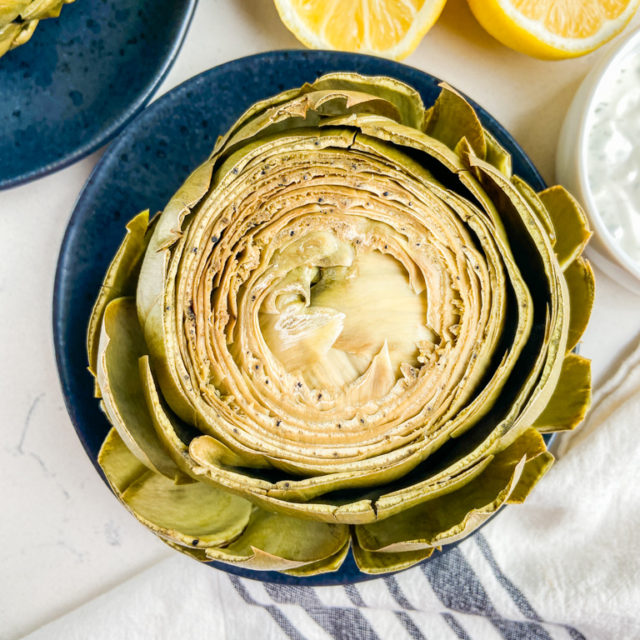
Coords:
pixel 64 538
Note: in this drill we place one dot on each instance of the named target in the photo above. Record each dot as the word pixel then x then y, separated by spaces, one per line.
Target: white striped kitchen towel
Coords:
pixel 565 565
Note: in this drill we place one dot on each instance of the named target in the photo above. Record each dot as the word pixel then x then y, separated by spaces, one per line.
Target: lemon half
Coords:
pixel 553 29
pixel 390 28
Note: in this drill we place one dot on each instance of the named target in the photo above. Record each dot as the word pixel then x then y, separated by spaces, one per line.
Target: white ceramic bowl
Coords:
pixel 571 168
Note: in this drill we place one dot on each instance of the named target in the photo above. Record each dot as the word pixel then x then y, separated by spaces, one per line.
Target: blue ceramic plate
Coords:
pixel 179 131
pixel 81 78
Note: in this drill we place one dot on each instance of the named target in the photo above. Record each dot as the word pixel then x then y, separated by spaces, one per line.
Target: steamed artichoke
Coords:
pixel 19 18
pixel 348 328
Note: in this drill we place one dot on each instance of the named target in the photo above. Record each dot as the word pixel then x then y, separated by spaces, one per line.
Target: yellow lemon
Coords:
pixel 390 28
pixel 553 29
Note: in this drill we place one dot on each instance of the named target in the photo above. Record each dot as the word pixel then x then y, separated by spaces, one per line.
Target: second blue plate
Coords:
pixel 81 78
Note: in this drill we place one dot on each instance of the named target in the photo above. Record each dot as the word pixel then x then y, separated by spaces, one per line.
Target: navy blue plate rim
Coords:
pixel 348 572
pixel 118 123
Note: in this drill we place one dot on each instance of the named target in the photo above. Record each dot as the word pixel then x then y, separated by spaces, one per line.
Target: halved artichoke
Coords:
pixel 19 18
pixel 349 327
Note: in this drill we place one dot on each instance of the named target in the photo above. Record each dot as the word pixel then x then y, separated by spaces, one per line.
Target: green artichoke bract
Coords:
pixel 348 329
pixel 19 18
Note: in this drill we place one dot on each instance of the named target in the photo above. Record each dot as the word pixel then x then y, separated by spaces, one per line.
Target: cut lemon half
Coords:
pixel 390 28
pixel 553 29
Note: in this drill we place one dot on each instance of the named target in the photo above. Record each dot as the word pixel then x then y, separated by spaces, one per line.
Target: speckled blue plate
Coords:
pixel 178 132
pixel 81 78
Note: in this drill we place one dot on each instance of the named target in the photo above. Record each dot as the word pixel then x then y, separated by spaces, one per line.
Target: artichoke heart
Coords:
pixel 348 329
pixel 19 18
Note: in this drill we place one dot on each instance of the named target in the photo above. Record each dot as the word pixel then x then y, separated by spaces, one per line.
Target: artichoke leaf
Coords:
pixel 327 565
pixel 120 280
pixel 525 227
pixel 10 10
pixel 571 397
pixel 195 514
pixel 394 98
pixel 307 111
pixel 168 230
pixel 253 112
pixel 39 9
pixel 497 155
pixel 537 206
pixel 303 497
pixel 197 553
pixel 581 285
pixel 121 345
pixel 120 467
pixel 448 518
pixel 192 515
pixel 15 33
pixel 275 542
pixel 533 470
pixel 468 179
pixel 405 99
pixel 452 118
pixel 385 130
pixel 151 297
pixel 396 501
pixel 174 435
pixel 379 562
pixel 204 451
pixel 569 221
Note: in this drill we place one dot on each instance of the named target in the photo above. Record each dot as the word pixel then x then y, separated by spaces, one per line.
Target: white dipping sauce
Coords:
pixel 613 157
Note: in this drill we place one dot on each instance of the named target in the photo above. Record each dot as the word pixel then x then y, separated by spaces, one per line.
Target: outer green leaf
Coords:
pixel 535 257
pixel 329 565
pixel 571 397
pixel 197 553
pixel 405 99
pixel 274 542
pixel 121 345
pixel 379 562
pixel 120 280
pixel 497 155
pixel 173 434
pixel 533 470
pixel 195 514
pixel 120 466
pixel 150 294
pixel 447 518
pixel 536 204
pixel 452 118
pixel 569 221
pixel 582 291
